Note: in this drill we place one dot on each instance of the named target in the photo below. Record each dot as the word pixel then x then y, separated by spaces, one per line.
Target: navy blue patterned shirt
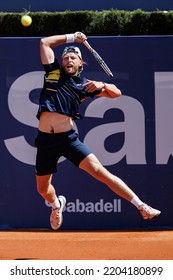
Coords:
pixel 62 93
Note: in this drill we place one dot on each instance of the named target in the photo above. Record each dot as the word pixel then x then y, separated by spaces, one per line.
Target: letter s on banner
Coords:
pixel 19 103
pixel 24 111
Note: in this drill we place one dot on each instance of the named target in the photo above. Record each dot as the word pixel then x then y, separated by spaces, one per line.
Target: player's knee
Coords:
pixel 98 171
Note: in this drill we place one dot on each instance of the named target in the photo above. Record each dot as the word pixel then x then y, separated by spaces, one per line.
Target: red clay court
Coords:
pixel 86 245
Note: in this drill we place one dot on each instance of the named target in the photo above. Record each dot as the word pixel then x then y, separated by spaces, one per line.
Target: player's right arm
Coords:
pixel 48 43
pixel 46 47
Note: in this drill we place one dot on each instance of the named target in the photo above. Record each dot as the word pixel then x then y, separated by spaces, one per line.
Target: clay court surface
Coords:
pixel 92 245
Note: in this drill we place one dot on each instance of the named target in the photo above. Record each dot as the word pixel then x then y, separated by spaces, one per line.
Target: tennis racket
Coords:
pixel 98 58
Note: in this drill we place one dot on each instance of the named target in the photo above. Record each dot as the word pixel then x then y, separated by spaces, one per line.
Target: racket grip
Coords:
pixel 84 42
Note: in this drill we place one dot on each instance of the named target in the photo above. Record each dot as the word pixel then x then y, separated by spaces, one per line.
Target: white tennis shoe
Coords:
pixel 147 212
pixel 56 217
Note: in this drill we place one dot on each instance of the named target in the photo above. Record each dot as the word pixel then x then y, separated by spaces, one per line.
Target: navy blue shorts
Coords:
pixel 51 146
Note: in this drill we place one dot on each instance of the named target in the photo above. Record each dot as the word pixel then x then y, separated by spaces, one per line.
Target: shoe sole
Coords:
pixel 155 216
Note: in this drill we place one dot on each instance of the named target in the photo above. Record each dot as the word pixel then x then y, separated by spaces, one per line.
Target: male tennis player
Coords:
pixel 63 91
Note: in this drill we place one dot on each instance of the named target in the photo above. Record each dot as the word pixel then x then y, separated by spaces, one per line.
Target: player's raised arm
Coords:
pixel 48 43
pixel 46 47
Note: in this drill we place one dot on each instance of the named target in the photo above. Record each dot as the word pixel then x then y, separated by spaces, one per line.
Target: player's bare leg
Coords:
pixel 93 166
pixel 47 191
pixel 45 188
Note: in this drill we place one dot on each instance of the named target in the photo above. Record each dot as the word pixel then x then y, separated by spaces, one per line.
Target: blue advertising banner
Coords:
pixel 131 135
pixel 75 5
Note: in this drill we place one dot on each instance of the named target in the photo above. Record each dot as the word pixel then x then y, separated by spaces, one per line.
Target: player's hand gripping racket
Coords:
pixel 97 57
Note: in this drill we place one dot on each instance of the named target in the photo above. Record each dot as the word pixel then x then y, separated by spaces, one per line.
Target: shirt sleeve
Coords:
pixel 51 67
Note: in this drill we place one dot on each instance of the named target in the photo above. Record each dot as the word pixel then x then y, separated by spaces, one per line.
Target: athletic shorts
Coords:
pixel 51 146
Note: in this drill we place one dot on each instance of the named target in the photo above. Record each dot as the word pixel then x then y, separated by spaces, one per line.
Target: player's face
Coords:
pixel 71 63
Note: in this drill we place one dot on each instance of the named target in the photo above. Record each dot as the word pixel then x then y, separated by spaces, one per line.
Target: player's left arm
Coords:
pixel 107 90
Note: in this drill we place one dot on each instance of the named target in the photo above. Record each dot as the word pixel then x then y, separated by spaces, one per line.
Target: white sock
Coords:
pixel 136 201
pixel 55 204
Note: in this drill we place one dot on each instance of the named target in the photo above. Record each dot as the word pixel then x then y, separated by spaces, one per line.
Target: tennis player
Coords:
pixel 63 91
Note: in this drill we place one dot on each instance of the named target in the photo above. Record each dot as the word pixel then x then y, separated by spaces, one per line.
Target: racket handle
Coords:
pixel 87 44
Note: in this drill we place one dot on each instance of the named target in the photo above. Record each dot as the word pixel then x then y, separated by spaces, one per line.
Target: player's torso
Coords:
pixel 62 95
pixel 53 122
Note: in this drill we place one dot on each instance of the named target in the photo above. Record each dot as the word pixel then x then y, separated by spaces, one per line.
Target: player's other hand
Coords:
pixel 79 37
pixel 91 86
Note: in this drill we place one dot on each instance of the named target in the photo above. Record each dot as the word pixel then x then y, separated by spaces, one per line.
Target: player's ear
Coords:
pixel 80 68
